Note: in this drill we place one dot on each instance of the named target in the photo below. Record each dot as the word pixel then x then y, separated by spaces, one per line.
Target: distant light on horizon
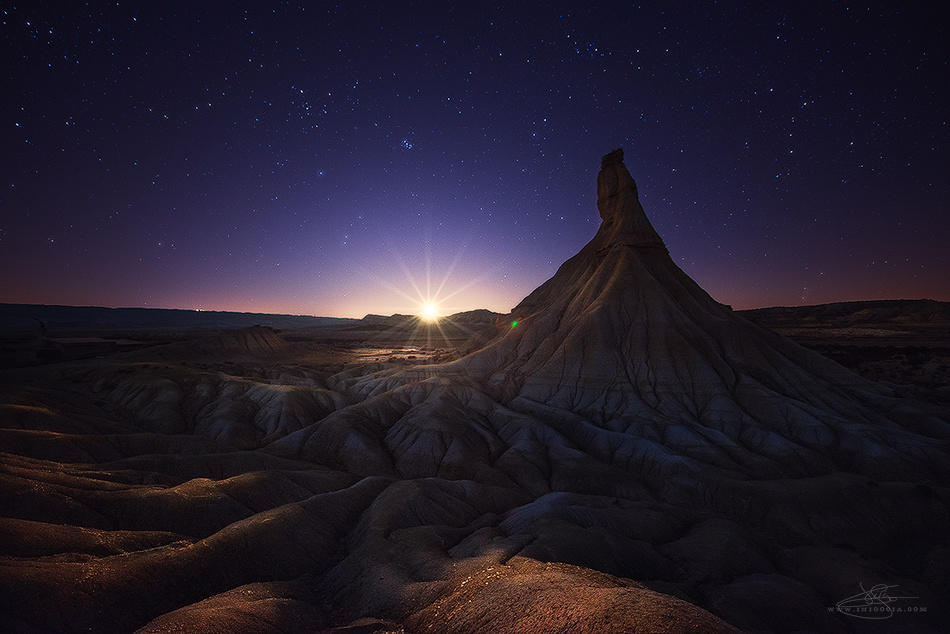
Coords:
pixel 429 312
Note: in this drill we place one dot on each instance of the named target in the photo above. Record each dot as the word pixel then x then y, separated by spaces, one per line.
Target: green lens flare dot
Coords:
pixel 514 323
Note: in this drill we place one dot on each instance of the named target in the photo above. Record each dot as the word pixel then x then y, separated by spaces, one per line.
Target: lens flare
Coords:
pixel 429 311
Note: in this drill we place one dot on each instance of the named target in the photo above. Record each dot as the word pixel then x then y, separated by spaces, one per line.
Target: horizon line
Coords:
pixel 315 316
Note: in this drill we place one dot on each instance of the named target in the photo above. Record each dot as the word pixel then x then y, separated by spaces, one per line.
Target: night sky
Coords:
pixel 289 158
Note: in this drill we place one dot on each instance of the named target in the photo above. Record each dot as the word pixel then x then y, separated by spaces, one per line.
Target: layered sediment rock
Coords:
pixel 632 456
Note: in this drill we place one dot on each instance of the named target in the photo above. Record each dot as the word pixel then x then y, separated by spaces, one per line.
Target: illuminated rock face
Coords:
pixel 624 380
pixel 624 340
pixel 631 439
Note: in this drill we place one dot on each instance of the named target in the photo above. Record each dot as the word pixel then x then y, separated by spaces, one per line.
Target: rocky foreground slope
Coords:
pixel 632 456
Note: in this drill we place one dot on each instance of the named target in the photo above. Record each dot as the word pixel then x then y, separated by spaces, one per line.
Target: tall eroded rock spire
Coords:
pixel 624 221
pixel 620 331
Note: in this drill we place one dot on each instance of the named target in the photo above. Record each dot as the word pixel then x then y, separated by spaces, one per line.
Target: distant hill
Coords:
pixel 27 317
pixel 396 319
pixel 894 312
pixel 480 316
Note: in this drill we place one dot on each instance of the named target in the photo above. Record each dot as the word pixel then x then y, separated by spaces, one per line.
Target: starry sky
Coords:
pixel 338 160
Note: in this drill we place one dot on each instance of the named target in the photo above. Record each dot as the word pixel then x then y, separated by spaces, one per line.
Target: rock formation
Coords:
pixel 633 456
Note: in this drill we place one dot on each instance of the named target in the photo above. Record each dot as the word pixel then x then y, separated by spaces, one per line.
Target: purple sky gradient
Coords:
pixel 276 157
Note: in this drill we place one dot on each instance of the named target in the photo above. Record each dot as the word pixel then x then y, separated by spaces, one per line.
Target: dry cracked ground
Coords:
pixel 633 456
